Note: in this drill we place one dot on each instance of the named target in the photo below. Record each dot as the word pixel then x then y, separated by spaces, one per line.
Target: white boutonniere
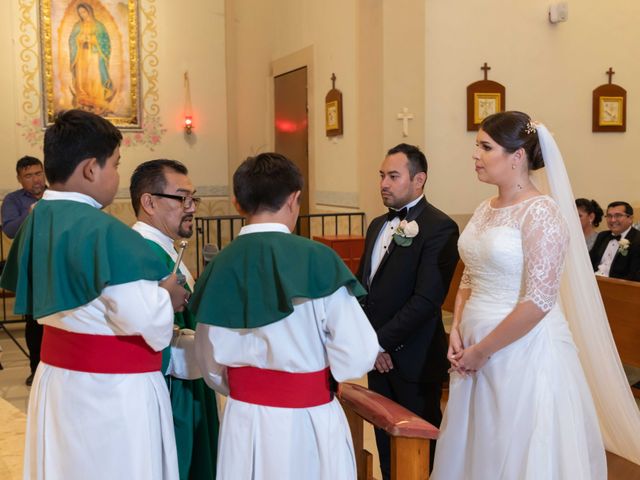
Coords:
pixel 623 247
pixel 405 232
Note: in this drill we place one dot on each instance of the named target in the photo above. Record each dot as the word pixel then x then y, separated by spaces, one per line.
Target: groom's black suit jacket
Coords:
pixel 626 266
pixel 406 294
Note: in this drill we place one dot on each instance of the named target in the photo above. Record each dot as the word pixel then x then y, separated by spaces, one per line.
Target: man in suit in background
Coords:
pixel 410 256
pixel 616 252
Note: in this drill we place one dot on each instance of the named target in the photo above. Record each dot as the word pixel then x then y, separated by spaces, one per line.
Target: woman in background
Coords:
pixel 590 217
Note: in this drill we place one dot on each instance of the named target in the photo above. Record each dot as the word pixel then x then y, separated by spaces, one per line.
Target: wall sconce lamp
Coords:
pixel 188 118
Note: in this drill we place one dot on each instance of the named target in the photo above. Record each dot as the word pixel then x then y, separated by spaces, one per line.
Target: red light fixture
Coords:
pixel 188 118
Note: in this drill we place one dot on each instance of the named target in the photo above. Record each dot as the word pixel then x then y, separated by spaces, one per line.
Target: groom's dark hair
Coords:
pixel 417 160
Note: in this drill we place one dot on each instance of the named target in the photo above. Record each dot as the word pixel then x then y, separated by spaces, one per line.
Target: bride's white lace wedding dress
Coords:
pixel 527 414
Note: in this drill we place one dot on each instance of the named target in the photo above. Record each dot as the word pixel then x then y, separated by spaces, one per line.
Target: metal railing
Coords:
pixel 221 230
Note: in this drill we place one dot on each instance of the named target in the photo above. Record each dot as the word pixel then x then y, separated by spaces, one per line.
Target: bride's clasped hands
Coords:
pixel 463 360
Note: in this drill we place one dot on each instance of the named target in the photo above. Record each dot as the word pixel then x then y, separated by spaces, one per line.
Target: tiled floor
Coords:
pixel 15 368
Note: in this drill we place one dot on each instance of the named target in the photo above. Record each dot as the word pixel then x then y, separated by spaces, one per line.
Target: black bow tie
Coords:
pixel 616 237
pixel 401 214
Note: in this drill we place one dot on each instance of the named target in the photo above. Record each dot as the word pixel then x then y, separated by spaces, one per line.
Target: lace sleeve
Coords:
pixel 544 242
pixel 465 280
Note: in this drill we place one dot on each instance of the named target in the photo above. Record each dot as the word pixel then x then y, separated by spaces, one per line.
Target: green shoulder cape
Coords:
pixel 253 280
pixel 67 252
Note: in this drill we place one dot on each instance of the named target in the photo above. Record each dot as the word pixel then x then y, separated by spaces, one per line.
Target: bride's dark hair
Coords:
pixel 513 130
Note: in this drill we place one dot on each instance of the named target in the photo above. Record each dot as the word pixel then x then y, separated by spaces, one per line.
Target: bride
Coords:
pixel 519 404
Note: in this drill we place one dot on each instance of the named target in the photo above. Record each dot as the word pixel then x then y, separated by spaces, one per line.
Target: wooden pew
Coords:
pixel 450 300
pixel 409 433
pixel 622 302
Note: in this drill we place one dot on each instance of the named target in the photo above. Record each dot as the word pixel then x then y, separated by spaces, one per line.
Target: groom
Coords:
pixel 406 269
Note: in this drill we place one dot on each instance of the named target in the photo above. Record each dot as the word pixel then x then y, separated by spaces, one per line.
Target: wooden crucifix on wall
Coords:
pixel 333 110
pixel 609 107
pixel 484 97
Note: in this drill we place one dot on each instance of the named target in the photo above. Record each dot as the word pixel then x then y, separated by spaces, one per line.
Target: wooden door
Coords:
pixel 291 124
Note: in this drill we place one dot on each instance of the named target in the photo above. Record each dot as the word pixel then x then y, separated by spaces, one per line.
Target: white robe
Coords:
pixel 259 442
pixel 104 426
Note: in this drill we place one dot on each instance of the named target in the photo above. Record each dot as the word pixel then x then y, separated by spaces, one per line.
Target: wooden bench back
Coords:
pixel 622 302
pixel 450 300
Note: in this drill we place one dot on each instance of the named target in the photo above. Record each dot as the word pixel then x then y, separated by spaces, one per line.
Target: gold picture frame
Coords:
pixel 485 104
pixel 332 117
pixel 89 51
pixel 611 111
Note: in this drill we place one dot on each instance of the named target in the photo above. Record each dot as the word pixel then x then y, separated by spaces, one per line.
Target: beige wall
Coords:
pixel 550 72
pixel 377 51
pixel 422 54
pixel 272 37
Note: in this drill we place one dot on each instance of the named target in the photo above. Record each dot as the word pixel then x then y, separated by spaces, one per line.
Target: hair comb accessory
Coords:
pixel 530 128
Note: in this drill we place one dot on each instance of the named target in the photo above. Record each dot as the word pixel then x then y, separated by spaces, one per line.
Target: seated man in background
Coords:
pixel 15 208
pixel 616 252
pixel 17 205
pixel 163 200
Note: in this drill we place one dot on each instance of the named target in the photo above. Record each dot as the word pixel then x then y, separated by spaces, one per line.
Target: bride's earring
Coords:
pixel 513 166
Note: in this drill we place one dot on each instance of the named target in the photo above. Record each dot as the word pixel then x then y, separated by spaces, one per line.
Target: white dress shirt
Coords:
pixel 609 254
pixel 385 237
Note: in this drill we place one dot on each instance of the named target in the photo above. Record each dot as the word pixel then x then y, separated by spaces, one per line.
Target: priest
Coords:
pixel 164 202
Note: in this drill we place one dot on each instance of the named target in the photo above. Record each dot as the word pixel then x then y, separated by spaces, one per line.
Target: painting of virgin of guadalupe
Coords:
pixel 90 60
pixel 90 52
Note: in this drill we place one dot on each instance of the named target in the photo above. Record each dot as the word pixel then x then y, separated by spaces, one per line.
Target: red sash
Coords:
pixel 98 353
pixel 275 388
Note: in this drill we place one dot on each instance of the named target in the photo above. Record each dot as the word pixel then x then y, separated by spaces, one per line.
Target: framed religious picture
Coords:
pixel 611 110
pixel 333 111
pixel 90 59
pixel 609 107
pixel 484 97
pixel 332 115
pixel 485 104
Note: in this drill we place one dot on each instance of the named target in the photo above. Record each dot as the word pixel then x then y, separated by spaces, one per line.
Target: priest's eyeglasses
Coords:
pixel 616 216
pixel 187 200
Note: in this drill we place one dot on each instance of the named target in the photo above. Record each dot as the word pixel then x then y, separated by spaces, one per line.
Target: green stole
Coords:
pixel 195 414
pixel 67 252
pixel 253 280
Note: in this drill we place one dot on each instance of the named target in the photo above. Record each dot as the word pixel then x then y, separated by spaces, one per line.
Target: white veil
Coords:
pixel 580 297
